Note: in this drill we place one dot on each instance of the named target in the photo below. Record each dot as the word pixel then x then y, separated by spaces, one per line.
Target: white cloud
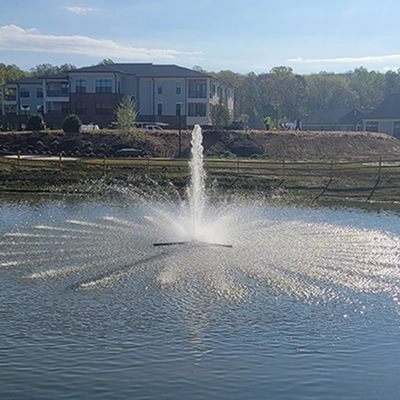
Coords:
pixel 80 10
pixel 348 60
pixel 16 38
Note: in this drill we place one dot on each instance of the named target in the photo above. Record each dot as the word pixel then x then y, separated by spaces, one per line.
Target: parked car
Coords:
pixel 153 127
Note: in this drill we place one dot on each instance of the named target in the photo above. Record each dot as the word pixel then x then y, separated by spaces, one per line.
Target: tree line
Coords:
pixel 285 96
pixel 280 93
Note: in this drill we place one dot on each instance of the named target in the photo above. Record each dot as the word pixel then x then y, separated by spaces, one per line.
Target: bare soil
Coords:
pixel 290 145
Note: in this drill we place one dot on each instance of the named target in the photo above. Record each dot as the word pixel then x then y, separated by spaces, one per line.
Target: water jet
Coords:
pixel 196 194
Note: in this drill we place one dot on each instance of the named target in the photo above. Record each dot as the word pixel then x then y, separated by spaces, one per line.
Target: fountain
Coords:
pixel 196 193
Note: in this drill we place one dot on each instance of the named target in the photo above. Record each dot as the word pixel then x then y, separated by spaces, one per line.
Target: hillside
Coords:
pixel 290 145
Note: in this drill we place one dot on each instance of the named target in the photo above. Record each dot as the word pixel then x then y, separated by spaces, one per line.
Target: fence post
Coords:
pixel 237 165
pixel 18 158
pixel 378 179
pixel 104 167
pixel 148 165
pixel 60 163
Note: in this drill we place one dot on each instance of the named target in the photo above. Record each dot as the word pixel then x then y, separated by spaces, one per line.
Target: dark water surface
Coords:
pixel 306 305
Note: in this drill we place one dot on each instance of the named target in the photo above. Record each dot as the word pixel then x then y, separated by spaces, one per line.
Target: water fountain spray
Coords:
pixel 196 192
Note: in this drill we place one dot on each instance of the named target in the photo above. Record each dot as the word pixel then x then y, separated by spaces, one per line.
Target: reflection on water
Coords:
pixel 304 299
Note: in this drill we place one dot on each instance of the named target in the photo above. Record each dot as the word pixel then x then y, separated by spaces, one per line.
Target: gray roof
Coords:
pixel 27 81
pixel 145 70
pixel 351 118
pixel 389 108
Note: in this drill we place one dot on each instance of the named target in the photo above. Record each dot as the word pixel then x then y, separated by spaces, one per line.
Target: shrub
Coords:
pixel 71 124
pixel 126 115
pixel 35 123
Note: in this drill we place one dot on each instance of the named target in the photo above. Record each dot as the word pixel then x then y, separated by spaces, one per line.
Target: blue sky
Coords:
pixel 241 35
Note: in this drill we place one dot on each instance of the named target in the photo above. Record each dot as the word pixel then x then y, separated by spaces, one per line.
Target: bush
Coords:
pixel 35 123
pixel 71 124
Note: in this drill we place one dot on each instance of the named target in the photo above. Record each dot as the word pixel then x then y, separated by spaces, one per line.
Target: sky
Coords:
pixel 239 35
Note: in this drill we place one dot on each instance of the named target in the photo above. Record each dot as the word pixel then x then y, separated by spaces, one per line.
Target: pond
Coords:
pixel 305 304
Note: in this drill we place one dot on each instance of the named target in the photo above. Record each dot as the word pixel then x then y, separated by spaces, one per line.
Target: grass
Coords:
pixel 354 180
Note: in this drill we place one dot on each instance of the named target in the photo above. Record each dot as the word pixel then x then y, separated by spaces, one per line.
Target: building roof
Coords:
pixel 144 70
pixel 27 81
pixel 389 108
pixel 351 118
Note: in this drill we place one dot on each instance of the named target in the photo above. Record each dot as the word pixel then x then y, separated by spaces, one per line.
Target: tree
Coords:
pixel 49 69
pixel 126 115
pixel 35 123
pixel 220 115
pixel 71 124
pixel 106 61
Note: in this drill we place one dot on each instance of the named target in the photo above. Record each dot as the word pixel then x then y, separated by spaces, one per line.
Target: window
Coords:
pixel 104 108
pixel 159 108
pixel 197 109
pixel 10 94
pixel 159 89
pixel 372 126
pixel 197 90
pixel 64 88
pixel 10 109
pixel 39 92
pixel 57 107
pixel 25 92
pixel 178 88
pixel 396 129
pixel 103 86
pixel 80 86
pixel 80 109
pixel 178 109
pixel 57 89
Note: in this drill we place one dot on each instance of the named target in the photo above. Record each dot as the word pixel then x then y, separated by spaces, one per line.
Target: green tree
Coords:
pixel 126 115
pixel 49 69
pixel 71 124
pixel 35 123
pixel 106 61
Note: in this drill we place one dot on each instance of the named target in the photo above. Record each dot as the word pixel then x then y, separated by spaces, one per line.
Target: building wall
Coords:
pixel 146 97
pixel 88 101
pixel 33 101
pixel 91 78
pixel 384 125
pixel 169 97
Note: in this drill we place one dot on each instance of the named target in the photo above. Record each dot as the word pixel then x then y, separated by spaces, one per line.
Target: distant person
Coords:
pixel 267 122
pixel 298 125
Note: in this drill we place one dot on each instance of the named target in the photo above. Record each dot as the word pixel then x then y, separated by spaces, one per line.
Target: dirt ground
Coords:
pixel 275 145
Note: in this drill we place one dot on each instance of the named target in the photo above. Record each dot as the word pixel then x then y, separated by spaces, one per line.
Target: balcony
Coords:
pixel 57 92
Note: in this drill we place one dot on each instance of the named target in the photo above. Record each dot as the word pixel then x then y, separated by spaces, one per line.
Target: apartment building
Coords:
pixel 163 93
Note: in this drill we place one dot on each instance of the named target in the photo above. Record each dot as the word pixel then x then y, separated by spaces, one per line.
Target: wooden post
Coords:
pixel 283 169
pixel 18 158
pixel 378 179
pixel 238 166
pixel 104 167
pixel 60 163
pixel 148 165
pixel 380 168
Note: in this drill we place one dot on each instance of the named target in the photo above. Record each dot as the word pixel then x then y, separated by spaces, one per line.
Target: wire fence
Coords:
pixel 356 178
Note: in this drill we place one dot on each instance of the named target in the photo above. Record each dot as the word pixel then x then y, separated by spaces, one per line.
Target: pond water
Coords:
pixel 305 305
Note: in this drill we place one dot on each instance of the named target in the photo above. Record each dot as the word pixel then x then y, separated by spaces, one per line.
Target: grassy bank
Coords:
pixel 318 180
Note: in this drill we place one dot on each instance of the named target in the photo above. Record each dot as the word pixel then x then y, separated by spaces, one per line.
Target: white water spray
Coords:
pixel 196 189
